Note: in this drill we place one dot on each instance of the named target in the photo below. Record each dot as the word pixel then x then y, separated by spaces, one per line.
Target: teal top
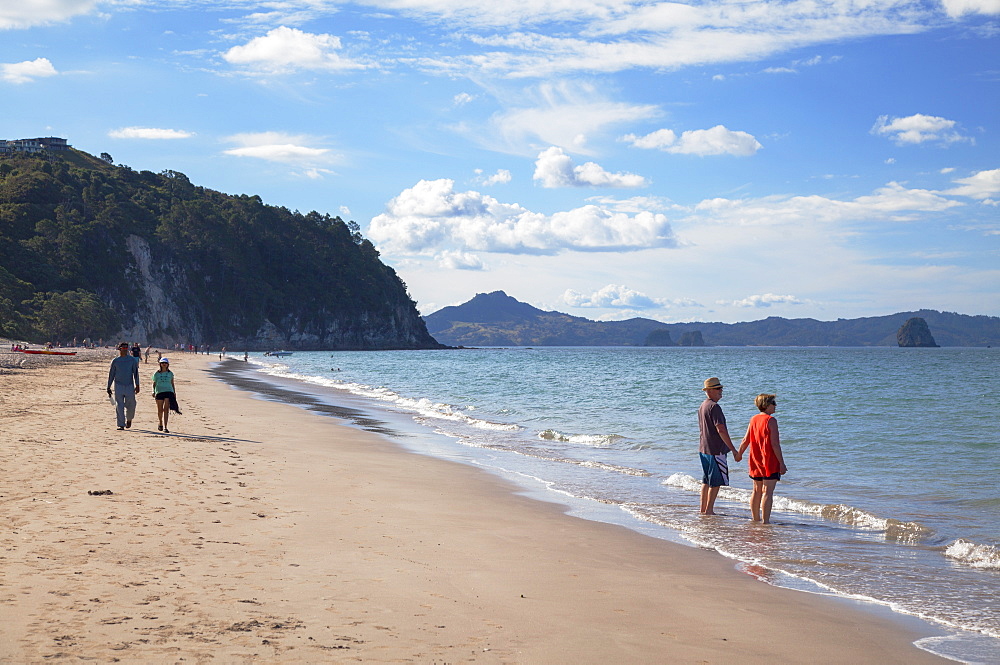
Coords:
pixel 163 382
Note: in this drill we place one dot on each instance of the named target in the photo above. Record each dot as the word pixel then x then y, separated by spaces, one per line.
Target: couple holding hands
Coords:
pixel 762 439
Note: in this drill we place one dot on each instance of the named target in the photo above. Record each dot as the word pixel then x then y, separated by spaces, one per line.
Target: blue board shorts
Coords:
pixel 716 468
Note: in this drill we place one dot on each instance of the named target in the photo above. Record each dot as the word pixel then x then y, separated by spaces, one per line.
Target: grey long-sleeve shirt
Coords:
pixel 124 372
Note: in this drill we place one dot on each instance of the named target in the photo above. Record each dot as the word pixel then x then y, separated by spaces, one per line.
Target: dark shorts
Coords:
pixel 773 476
pixel 164 395
pixel 716 468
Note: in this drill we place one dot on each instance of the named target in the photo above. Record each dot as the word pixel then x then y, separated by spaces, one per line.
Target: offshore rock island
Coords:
pixel 90 249
pixel 916 333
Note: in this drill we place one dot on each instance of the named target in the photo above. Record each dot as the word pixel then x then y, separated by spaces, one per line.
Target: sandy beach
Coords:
pixel 257 531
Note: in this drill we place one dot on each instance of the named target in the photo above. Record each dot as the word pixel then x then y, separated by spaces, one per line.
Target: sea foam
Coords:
pixel 904 532
pixel 978 556
pixel 594 440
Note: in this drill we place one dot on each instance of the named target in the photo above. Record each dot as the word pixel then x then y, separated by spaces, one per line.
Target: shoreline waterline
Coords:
pixel 962 645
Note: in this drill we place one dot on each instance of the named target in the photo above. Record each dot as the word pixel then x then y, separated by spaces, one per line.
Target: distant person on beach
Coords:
pixel 136 350
pixel 714 446
pixel 165 394
pixel 124 375
pixel 766 461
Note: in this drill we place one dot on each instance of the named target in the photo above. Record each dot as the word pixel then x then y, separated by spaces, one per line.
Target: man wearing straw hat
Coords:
pixel 714 446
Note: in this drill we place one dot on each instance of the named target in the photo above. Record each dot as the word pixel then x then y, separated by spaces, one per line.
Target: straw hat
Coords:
pixel 712 383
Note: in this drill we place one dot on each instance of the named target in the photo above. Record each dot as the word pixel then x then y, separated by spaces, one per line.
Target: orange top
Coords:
pixel 763 461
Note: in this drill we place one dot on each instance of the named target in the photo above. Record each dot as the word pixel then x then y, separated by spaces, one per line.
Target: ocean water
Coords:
pixel 893 455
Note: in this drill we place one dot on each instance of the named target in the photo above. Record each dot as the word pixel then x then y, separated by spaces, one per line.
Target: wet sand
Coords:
pixel 259 531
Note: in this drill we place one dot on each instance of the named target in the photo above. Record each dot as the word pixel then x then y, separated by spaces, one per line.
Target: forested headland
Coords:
pixel 89 249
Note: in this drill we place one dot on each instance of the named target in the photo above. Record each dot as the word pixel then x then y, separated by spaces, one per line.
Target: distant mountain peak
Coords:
pixel 497 319
pixel 495 297
pixel 492 307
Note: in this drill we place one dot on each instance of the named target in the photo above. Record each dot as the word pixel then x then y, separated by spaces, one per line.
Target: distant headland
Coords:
pixel 496 319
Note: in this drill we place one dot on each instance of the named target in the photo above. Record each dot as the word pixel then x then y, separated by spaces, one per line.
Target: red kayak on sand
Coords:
pixel 49 353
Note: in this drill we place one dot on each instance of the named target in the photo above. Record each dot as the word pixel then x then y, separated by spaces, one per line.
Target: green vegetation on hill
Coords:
pixel 88 248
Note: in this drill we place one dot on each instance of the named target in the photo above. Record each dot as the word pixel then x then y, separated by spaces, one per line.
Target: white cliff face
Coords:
pixel 270 336
pixel 158 318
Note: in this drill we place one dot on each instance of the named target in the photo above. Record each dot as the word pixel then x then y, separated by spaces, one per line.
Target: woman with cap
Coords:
pixel 164 394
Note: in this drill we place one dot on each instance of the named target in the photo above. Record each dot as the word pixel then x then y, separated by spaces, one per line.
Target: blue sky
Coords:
pixel 717 161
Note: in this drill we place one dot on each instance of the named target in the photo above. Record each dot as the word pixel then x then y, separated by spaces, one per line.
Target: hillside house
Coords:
pixel 34 146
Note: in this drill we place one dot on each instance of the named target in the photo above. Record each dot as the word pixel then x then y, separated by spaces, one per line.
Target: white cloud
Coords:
pixel 27 71
pixel 554 168
pixel 893 202
pixel 982 185
pixel 816 60
pixel 283 14
pixel 763 300
pixel 508 13
pixel 284 149
pixel 431 216
pixel 462 98
pixel 715 141
pixel 956 8
pixel 27 13
pixel 280 152
pixel 629 302
pixel 670 35
pixel 287 49
pixel 315 173
pixel 453 260
pixel 501 177
pixel 612 295
pixel 149 133
pixel 636 203
pixel 917 128
pixel 660 139
pixel 563 115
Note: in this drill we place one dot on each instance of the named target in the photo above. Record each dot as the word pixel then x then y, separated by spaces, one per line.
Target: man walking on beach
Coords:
pixel 124 375
pixel 714 446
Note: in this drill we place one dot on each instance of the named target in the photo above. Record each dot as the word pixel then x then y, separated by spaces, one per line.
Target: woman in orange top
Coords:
pixel 766 461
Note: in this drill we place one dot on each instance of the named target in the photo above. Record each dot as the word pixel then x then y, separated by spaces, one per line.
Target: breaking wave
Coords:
pixel 977 556
pixel 594 440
